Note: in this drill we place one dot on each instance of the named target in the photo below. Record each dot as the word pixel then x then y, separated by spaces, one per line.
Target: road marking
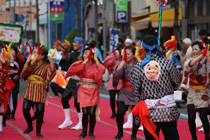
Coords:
pixel 20 131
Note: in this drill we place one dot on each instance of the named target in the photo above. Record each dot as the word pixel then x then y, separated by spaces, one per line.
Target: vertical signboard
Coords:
pixel 121 11
pixel 57 10
pixel 114 37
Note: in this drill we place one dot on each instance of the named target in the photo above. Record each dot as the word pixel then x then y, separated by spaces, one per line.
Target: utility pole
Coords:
pixel 37 21
pixel 104 29
pixel 96 22
pixel 12 12
pixel 176 25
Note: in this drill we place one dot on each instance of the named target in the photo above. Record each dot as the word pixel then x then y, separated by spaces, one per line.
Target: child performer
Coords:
pixel 39 74
pixel 90 71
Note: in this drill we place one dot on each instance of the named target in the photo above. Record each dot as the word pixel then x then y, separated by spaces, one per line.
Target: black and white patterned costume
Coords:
pixel 167 82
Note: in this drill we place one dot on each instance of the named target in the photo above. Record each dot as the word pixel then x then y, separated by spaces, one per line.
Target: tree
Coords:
pixel 76 9
pixel 70 37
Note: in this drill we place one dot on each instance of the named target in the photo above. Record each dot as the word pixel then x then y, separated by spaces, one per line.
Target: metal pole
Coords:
pixel 48 25
pixel 12 13
pixel 159 27
pixel 104 29
pixel 37 21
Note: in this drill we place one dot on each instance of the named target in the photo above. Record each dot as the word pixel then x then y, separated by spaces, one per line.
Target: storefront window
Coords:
pixel 195 8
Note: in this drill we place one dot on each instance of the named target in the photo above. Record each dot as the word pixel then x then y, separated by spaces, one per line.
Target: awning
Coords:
pixel 167 18
pixel 141 24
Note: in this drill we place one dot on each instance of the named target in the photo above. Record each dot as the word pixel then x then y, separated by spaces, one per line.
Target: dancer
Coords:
pixel 112 60
pixel 39 74
pixel 154 81
pixel 72 86
pixel 14 73
pixel 4 75
pixel 197 70
pixel 90 71
pixel 126 95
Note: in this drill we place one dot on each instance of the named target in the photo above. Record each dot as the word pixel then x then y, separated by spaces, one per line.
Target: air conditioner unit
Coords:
pixel 17 4
pixel 3 8
pixel 21 3
pixel 33 2
pixel 27 3
pixel 12 3
pixel 7 5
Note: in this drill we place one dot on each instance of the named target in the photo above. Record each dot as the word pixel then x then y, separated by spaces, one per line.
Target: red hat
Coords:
pixel 170 44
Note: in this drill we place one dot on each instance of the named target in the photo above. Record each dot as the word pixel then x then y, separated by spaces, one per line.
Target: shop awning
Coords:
pixel 141 22
pixel 167 18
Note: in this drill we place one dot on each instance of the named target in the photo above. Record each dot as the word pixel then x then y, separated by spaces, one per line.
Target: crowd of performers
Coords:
pixel 143 77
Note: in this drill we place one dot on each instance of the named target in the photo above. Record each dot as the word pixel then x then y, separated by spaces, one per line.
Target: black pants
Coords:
pixel 191 120
pixel 56 88
pixel 15 99
pixel 112 94
pixel 121 109
pixel 39 110
pixel 65 102
pixel 169 130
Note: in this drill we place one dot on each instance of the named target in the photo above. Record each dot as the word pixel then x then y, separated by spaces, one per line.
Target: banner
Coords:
pixel 11 33
pixel 57 10
pixel 114 37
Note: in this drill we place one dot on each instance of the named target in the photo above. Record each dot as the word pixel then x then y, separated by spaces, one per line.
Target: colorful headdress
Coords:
pixel 170 44
pixel 150 48
pixel 66 44
pixel 77 39
pixel 201 43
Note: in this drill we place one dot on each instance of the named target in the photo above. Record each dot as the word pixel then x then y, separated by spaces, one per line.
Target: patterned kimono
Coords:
pixel 167 82
pixel 39 75
pixel 110 63
pixel 3 76
pixel 126 93
pixel 90 79
pixel 199 91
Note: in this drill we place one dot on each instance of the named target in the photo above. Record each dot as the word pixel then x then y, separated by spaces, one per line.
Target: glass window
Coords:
pixel 195 8
pixel 207 7
pixel 200 8
pixel 191 8
pixel 204 7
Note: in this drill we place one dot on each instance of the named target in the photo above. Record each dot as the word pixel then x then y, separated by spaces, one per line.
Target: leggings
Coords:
pixel 39 110
pixel 191 120
pixel 65 102
pixel 112 94
pixel 89 111
pixel 15 99
pixel 121 109
pixel 56 88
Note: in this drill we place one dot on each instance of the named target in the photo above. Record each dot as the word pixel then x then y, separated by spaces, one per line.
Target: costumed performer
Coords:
pixel 39 73
pixel 90 71
pixel 154 81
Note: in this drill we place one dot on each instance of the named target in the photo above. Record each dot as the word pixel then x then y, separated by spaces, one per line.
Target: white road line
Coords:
pixel 20 131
